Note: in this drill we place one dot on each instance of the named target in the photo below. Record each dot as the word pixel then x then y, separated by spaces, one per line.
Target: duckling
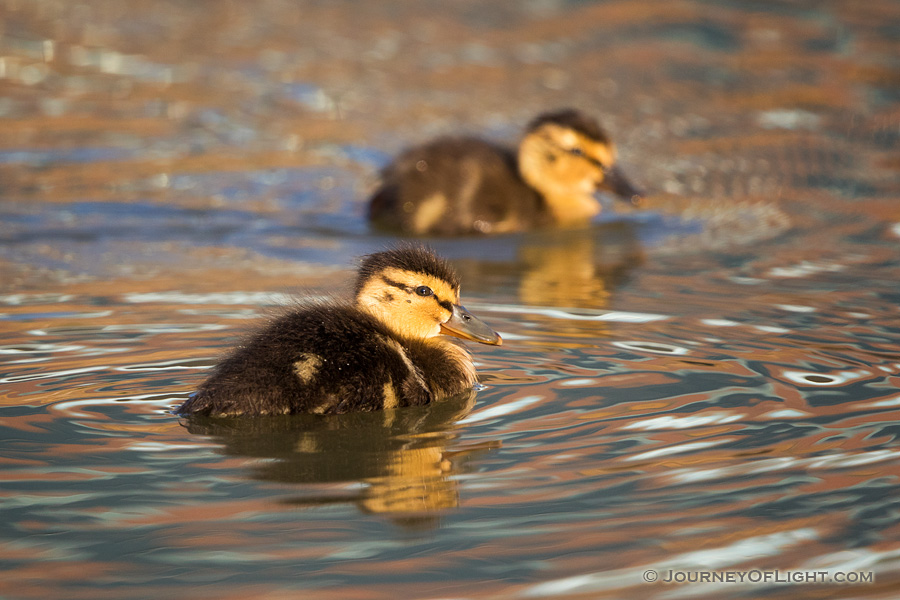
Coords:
pixel 388 348
pixel 466 185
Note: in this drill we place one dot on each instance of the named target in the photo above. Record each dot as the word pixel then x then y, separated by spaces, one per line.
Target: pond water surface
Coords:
pixel 706 388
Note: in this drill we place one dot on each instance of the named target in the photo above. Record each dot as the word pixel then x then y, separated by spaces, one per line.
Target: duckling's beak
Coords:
pixel 616 182
pixel 465 325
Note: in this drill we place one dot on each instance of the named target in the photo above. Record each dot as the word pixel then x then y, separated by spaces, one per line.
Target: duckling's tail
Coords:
pixel 196 404
pixel 381 207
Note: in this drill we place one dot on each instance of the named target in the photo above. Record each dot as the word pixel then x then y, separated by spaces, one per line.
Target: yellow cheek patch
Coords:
pixel 391 297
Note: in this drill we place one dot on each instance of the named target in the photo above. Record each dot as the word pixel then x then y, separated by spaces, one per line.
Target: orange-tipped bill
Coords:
pixel 466 326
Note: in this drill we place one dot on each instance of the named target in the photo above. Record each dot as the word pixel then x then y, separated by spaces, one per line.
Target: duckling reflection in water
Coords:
pixel 407 461
pixel 387 349
pixel 465 185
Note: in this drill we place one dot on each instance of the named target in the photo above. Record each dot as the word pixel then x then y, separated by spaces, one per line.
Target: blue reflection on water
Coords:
pixel 65 155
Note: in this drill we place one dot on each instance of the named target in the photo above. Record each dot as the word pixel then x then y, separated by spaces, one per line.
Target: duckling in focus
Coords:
pixel 466 185
pixel 386 349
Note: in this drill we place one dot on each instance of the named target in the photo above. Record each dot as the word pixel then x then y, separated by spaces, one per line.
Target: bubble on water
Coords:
pixel 825 379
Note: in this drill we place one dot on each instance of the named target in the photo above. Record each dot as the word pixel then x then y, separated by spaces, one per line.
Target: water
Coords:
pixel 705 388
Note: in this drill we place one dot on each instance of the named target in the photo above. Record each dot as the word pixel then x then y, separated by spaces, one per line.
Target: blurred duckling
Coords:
pixel 466 185
pixel 386 349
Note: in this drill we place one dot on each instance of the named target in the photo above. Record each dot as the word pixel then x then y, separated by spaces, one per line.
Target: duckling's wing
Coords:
pixel 322 360
pixel 454 186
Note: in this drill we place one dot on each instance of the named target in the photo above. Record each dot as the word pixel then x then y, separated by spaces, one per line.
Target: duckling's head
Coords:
pixel 415 294
pixel 567 156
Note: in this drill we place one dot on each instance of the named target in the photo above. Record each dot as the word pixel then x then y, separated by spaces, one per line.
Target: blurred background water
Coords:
pixel 710 384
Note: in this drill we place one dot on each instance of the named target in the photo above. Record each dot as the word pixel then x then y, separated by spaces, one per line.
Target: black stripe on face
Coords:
pixel 595 162
pixel 397 284
pixel 586 157
pixel 446 304
pixel 579 153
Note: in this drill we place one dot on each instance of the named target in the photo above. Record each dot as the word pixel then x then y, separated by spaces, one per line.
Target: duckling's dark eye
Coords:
pixel 424 290
pixel 576 151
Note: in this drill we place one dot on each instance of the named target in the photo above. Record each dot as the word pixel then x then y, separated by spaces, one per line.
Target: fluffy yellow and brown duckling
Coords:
pixel 455 185
pixel 386 349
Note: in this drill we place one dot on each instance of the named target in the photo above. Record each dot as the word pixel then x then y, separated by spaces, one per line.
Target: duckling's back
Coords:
pixel 455 186
pixel 321 359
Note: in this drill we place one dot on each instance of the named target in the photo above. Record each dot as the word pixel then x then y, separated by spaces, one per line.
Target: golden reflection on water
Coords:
pixel 408 460
pixel 578 268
